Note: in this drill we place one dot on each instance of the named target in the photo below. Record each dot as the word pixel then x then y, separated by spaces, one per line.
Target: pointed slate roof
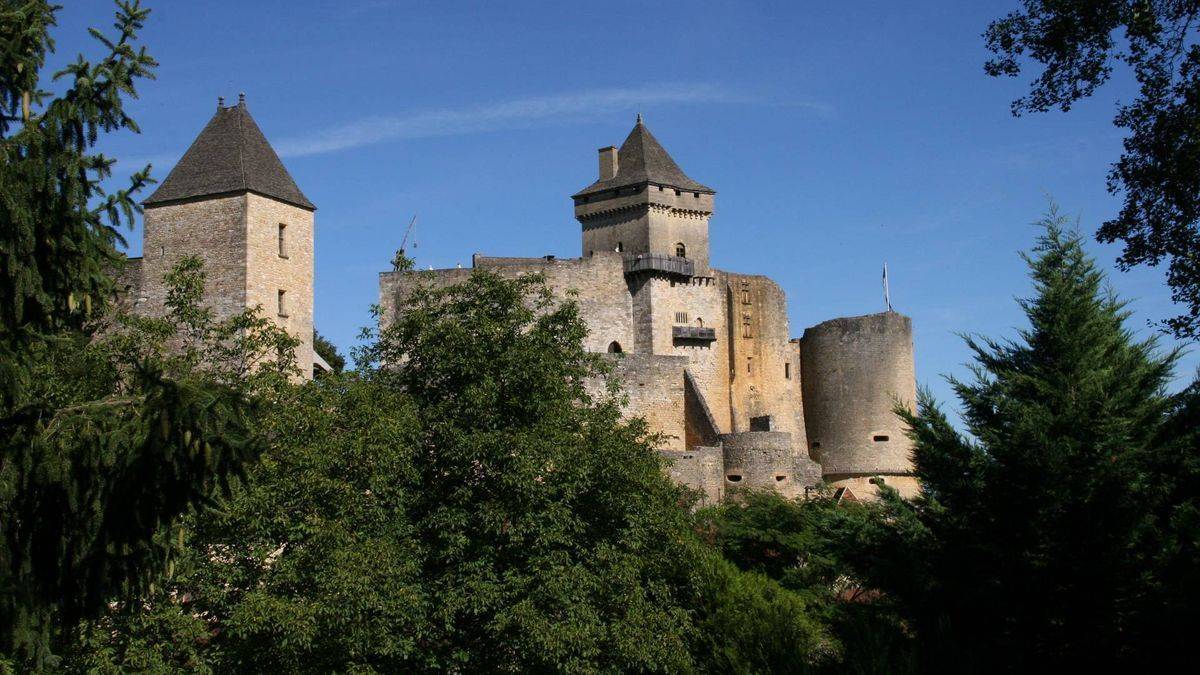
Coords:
pixel 642 159
pixel 230 155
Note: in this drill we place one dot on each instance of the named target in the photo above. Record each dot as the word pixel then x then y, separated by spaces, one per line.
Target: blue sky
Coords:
pixel 837 135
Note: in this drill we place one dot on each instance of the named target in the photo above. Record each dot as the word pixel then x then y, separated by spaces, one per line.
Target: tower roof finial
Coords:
pixel 639 118
pixel 241 98
pixel 220 101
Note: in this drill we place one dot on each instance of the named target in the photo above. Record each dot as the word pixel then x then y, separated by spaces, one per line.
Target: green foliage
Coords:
pixel 468 499
pixel 328 351
pixel 98 453
pixel 834 556
pixel 57 226
pixel 1045 527
pixel 752 624
pixel 1078 43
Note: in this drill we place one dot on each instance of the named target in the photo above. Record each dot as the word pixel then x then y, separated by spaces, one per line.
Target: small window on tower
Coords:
pixel 787 371
pixel 282 303
pixel 283 240
pixel 620 247
pixel 749 364
pixel 680 250
pixel 746 326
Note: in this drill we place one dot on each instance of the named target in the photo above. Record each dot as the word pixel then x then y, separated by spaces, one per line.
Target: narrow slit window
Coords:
pixel 787 371
pixel 749 364
pixel 282 303
pixel 283 240
pixel 879 438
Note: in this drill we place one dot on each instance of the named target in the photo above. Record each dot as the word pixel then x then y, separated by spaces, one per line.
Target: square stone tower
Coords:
pixel 231 202
pixel 644 204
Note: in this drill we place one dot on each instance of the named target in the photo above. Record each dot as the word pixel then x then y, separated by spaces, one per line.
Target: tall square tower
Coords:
pixel 231 202
pixel 643 204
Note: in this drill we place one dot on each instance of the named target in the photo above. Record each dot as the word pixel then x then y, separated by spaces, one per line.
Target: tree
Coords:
pixel 1045 526
pixel 469 498
pixel 95 460
pixel 834 556
pixel 1078 43
pixel 328 351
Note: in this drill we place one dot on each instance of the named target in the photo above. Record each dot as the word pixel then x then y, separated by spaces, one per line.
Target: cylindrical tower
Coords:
pixel 853 372
pixel 759 460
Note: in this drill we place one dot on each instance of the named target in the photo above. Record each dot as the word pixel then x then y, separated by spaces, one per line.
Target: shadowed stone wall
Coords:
pixel 212 228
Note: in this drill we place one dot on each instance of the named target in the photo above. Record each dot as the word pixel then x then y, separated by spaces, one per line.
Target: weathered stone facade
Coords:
pixel 230 202
pixel 704 355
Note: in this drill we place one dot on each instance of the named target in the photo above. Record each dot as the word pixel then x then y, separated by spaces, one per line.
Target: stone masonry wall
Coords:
pixel 598 284
pixel 270 269
pixel 764 377
pixel 214 229
pixel 654 386
pixel 665 302
pixel 855 369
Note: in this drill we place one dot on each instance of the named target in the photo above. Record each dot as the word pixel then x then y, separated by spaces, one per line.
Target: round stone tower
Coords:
pixel 761 460
pixel 853 372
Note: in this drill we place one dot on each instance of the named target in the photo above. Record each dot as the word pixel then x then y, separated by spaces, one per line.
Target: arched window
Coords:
pixel 699 322
pixel 681 250
pixel 620 247
pixel 614 347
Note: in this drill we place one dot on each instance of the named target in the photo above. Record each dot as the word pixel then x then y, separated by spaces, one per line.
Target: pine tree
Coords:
pixel 1036 519
pixel 94 463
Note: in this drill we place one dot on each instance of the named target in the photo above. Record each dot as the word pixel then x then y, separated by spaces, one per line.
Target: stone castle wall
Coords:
pixel 271 269
pixel 214 229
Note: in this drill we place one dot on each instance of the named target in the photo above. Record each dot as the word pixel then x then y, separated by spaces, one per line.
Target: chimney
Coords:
pixel 608 162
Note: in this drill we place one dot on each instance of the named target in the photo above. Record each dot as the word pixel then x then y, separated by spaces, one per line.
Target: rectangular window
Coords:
pixel 787 371
pixel 749 364
pixel 681 317
pixel 282 303
pixel 283 240
pixel 746 326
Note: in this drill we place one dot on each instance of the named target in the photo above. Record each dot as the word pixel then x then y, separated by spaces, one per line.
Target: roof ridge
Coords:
pixel 242 141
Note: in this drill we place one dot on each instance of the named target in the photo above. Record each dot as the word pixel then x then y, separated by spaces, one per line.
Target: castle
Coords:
pixel 704 355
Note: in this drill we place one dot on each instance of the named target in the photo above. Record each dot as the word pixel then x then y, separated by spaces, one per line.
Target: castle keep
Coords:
pixel 705 355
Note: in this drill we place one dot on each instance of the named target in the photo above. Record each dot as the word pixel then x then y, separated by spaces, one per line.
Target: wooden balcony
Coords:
pixel 653 262
pixel 700 333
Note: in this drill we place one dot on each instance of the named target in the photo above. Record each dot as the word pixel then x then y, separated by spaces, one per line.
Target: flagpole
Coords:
pixel 887 298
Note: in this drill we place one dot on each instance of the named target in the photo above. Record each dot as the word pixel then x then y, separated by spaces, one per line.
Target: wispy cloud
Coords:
pixel 500 115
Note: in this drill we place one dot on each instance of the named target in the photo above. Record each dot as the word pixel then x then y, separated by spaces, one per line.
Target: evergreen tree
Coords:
pixel 1038 522
pixel 94 461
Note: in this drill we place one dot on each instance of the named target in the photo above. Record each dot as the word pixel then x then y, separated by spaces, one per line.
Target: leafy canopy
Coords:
pixel 1078 44
pixel 98 454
